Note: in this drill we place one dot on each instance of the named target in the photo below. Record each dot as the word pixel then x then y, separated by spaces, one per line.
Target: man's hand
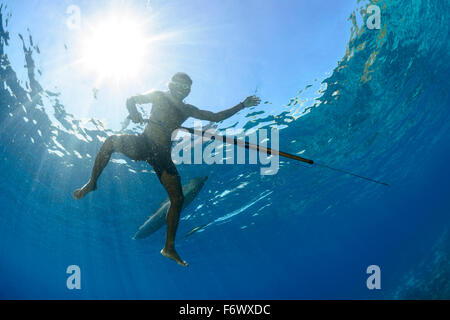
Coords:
pixel 135 115
pixel 251 101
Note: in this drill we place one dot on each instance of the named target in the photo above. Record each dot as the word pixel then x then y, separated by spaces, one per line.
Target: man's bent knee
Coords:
pixel 109 144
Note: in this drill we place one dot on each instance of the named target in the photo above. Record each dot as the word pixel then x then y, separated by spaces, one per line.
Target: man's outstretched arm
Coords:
pixel 225 114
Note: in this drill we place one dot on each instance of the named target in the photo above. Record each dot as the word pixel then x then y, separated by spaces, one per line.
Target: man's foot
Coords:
pixel 88 187
pixel 172 254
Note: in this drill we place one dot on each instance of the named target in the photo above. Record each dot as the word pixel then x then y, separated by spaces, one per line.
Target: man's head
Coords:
pixel 180 85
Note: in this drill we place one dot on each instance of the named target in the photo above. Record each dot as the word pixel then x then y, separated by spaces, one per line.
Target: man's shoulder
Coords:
pixel 156 93
pixel 155 96
pixel 189 106
pixel 189 109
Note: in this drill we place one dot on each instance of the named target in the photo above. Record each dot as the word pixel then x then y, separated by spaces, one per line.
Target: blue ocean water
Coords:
pixel 305 233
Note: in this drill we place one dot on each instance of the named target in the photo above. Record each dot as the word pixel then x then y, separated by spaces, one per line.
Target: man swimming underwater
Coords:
pixel 154 145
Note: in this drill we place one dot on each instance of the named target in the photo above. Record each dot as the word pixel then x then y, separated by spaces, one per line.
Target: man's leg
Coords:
pixel 128 145
pixel 171 182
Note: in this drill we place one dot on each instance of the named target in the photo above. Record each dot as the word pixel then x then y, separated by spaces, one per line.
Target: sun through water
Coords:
pixel 116 53
pixel 114 49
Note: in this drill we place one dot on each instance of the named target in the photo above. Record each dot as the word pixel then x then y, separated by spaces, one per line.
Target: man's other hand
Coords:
pixel 251 101
pixel 136 117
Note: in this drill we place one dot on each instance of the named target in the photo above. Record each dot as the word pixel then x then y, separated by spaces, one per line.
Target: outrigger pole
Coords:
pixel 246 145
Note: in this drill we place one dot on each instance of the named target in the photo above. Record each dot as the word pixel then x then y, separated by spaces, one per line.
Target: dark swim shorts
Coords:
pixel 141 148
